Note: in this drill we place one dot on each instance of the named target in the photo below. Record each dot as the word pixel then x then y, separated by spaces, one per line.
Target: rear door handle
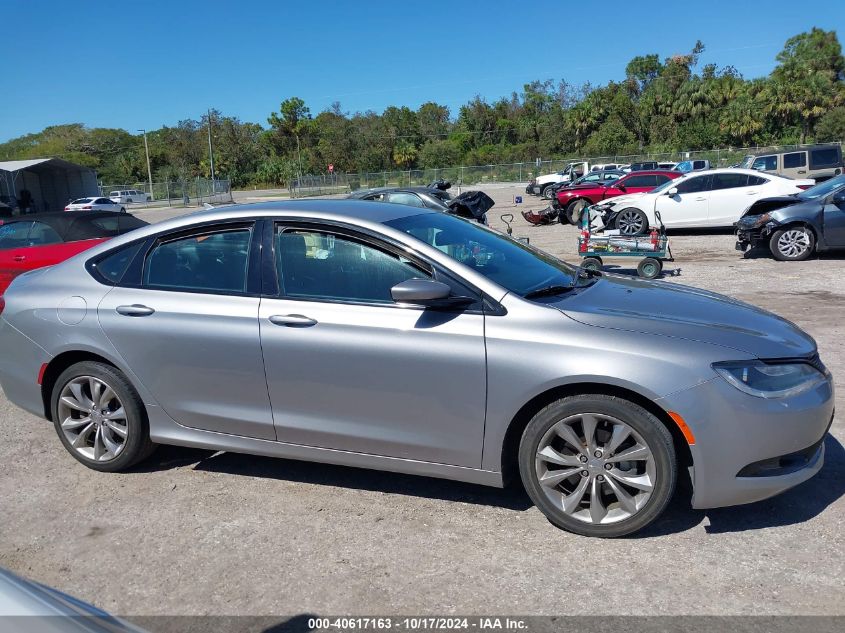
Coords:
pixel 751 193
pixel 19 258
pixel 134 310
pixel 292 320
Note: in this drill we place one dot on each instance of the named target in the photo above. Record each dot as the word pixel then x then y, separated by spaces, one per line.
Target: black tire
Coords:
pixel 574 210
pixel 621 222
pixel 138 445
pixel 123 209
pixel 650 268
pixel 544 189
pixel 591 263
pixel 792 244
pixel 651 430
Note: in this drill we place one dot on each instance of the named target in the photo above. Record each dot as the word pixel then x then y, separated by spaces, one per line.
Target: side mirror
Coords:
pixel 622 187
pixel 673 191
pixel 424 292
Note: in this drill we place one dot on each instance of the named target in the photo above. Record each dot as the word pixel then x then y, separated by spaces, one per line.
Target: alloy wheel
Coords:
pixel 630 222
pixel 596 468
pixel 93 419
pixel 793 243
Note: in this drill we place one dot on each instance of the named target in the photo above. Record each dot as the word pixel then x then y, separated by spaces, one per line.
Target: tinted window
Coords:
pixel 109 226
pixel 662 179
pixel 405 198
pixel 699 164
pixel 797 159
pixel 694 185
pixel 14 234
pixel 128 223
pixel 82 201
pixel 765 163
pixel 114 266
pixel 729 181
pixel 640 181
pixel 317 265
pixel 215 261
pixel 754 181
pixel 828 157
pixel 41 234
pixel 102 201
pixel 512 265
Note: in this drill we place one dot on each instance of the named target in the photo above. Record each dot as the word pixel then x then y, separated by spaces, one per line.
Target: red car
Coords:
pixel 573 200
pixel 28 242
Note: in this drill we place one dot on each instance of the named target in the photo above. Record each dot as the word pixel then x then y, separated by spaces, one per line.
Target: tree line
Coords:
pixel 659 106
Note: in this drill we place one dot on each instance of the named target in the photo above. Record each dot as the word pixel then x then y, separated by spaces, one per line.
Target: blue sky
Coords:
pixel 149 63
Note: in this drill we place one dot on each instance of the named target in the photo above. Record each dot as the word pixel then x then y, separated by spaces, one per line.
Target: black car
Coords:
pixel 470 204
pixel 424 197
pixel 794 227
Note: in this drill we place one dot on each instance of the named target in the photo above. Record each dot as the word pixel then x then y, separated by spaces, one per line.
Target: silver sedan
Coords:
pixel 396 338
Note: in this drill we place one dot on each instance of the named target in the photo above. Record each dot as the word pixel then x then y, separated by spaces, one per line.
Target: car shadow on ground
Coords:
pixel 513 497
pixel 669 270
pixel 794 506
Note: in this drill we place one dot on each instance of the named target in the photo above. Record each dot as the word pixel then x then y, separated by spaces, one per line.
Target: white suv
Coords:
pixel 128 195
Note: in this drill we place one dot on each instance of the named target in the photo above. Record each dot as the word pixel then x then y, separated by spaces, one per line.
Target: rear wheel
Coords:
pixel 650 268
pixel 591 263
pixel 598 465
pixel 631 221
pixel 100 418
pixel 574 210
pixel 545 192
pixel 792 244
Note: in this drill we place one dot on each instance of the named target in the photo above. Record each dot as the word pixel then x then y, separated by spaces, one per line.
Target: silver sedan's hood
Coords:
pixel 667 309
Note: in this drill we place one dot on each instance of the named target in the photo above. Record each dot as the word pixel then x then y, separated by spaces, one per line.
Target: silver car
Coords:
pixel 396 338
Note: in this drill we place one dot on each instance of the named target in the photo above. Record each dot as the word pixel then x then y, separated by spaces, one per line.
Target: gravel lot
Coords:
pixel 194 532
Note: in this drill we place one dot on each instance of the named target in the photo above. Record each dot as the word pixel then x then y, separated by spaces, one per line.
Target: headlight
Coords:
pixel 770 380
pixel 603 206
pixel 755 221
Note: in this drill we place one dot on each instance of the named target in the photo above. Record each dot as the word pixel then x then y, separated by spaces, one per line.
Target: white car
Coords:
pixel 128 195
pixel 95 204
pixel 570 173
pixel 715 198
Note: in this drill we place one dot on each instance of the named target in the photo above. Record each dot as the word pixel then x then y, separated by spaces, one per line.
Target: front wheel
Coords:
pixel 574 211
pixel 598 465
pixel 650 268
pixel 792 244
pixel 631 222
pixel 545 192
pixel 100 418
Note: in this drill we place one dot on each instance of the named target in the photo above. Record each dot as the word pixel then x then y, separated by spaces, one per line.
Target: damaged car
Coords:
pixel 794 227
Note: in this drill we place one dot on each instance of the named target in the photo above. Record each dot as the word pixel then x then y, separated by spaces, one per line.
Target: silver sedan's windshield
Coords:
pixel 511 264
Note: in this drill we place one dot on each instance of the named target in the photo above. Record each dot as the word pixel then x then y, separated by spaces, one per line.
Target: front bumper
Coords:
pixel 748 449
pixel 752 237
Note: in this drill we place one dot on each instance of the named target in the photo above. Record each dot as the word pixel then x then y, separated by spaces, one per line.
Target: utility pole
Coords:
pixel 149 171
pixel 299 156
pixel 210 148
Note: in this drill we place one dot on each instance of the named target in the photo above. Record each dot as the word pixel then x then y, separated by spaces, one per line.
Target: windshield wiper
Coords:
pixel 547 291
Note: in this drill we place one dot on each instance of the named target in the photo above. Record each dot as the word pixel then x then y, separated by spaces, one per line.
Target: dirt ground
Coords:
pixel 196 532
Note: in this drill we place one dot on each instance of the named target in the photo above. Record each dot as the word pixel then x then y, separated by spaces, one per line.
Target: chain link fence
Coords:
pixel 185 192
pixel 511 172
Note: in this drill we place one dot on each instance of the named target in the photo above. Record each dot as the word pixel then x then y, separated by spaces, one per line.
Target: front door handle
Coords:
pixel 752 193
pixel 134 310
pixel 292 320
pixel 700 199
pixel 802 171
pixel 19 258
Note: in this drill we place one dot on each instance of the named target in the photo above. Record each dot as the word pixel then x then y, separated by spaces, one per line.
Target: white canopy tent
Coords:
pixel 52 182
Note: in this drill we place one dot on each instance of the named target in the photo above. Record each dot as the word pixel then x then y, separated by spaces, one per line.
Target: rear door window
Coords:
pixel 41 234
pixel 641 181
pixel 215 262
pixel 410 199
pixel 794 160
